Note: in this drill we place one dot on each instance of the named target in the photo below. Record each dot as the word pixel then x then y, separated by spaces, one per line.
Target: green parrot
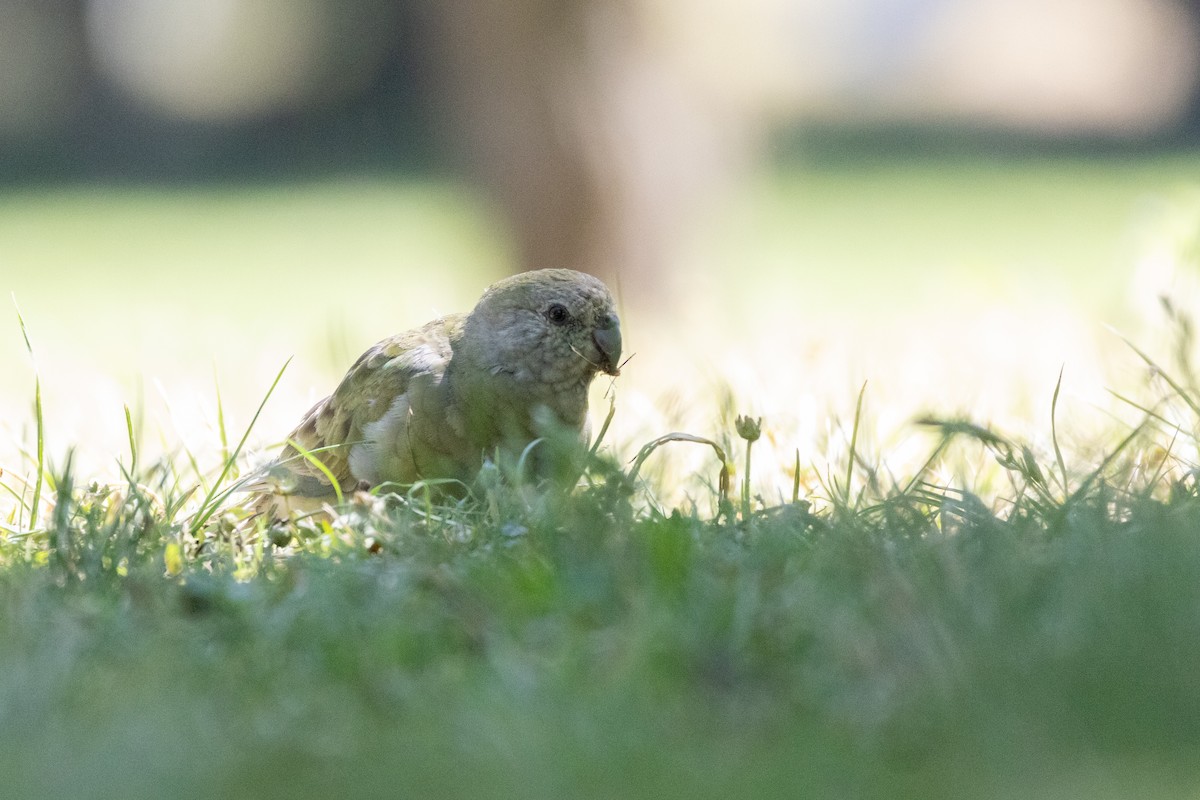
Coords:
pixel 435 401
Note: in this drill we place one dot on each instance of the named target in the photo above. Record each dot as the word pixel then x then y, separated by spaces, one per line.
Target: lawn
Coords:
pixel 1002 602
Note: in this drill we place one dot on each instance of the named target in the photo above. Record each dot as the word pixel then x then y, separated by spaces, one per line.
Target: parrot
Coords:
pixel 437 401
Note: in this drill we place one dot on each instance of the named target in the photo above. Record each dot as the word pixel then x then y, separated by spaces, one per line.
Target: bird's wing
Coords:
pixel 349 431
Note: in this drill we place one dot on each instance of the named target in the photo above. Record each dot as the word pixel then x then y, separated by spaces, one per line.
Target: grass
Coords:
pixel 998 616
pixel 893 638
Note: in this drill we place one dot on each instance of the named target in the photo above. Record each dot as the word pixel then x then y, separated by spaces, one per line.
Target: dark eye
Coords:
pixel 557 313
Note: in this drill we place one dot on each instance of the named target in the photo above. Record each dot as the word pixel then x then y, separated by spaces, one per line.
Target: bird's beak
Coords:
pixel 607 338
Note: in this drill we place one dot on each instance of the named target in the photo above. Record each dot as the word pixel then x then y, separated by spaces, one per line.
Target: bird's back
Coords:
pixel 390 419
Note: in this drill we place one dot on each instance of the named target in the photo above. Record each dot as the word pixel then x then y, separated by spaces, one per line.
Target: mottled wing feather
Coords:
pixel 334 426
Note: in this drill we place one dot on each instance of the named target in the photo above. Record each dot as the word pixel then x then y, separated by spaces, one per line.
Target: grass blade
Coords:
pixel 650 447
pixel 854 442
pixel 1058 456
pixel 18 496
pixel 1145 411
pixel 319 464
pixel 796 479
pixel 612 411
pixel 919 477
pixel 207 506
pixel 221 417
pixel 132 443
pixel 1175 385
pixel 41 426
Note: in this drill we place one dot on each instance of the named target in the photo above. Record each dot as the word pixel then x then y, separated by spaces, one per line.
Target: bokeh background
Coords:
pixel 948 199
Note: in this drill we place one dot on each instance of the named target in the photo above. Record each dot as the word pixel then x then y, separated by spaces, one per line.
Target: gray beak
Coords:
pixel 607 337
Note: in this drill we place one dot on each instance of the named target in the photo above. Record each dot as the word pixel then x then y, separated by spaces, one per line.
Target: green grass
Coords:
pixel 1018 618
pixel 895 638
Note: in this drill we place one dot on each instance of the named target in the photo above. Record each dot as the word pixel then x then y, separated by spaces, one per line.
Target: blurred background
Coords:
pixel 948 198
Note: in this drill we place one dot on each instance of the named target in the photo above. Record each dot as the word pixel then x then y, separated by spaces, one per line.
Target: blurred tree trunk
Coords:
pixel 593 145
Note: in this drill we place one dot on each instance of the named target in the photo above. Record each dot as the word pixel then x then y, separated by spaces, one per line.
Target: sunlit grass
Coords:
pixel 896 637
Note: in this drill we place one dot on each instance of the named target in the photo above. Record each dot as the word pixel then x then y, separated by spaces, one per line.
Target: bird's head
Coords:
pixel 555 327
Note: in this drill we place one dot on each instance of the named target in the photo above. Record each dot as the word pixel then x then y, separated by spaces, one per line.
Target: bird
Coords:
pixel 437 401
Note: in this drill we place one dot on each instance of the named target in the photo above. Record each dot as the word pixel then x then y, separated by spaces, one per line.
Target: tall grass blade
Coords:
pixel 207 506
pixel 854 442
pixel 18 496
pixel 1146 411
pixel 796 480
pixel 1058 456
pixel 41 425
pixel 612 411
pixel 133 455
pixel 221 417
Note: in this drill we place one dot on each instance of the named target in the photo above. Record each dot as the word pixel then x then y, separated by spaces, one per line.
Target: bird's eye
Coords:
pixel 557 313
